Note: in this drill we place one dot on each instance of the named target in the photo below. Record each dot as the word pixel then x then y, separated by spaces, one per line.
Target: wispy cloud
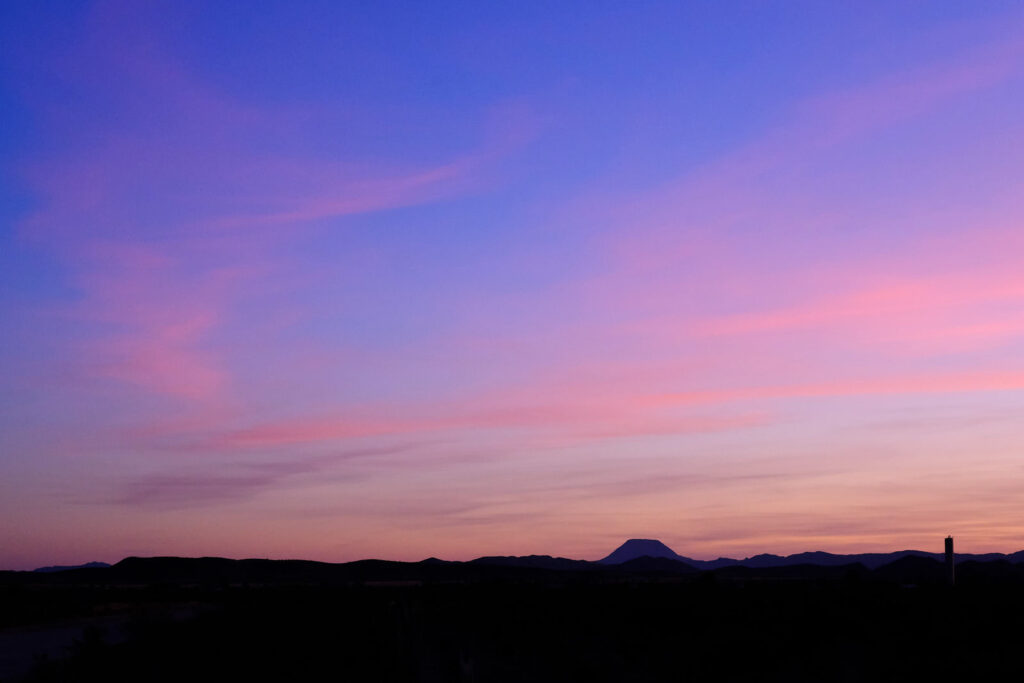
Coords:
pixel 232 481
pixel 178 207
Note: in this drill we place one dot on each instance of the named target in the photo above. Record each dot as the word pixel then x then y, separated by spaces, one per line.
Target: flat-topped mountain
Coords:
pixel 636 548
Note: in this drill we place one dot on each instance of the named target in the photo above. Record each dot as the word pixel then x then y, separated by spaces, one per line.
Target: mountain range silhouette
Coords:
pixel 641 547
pixel 635 557
pixel 642 613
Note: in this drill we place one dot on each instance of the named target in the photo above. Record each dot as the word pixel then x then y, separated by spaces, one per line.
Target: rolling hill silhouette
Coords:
pixel 534 561
pixel 638 547
pixel 634 558
pixel 648 565
pixel 64 568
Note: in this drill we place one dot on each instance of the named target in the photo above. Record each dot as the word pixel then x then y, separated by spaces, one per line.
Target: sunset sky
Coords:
pixel 338 280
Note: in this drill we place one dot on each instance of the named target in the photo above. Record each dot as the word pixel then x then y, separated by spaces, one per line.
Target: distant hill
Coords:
pixel 869 560
pixel 655 566
pixel 640 547
pixel 913 569
pixel 63 568
pixel 636 548
pixel 535 562
pixel 791 572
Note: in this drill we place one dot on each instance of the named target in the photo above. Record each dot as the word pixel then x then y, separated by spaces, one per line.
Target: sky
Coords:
pixel 335 280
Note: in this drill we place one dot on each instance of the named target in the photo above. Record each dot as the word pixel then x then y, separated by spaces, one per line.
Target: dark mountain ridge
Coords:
pixel 534 561
pixel 64 568
pixel 637 547
pixel 634 558
pixel 911 569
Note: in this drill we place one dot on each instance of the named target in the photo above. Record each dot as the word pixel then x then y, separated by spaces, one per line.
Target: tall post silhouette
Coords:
pixel 950 572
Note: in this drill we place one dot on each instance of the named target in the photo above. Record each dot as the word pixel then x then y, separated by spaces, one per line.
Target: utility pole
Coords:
pixel 950 572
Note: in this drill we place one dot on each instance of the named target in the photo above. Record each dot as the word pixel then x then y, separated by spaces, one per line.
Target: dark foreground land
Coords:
pixel 439 622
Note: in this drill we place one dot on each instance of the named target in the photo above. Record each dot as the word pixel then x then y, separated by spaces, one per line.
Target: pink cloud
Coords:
pixel 769 185
pixel 933 383
pixel 954 311
pixel 762 271
pixel 359 196
pixel 157 321
pixel 162 359
pixel 171 218
pixel 587 413
pixel 569 422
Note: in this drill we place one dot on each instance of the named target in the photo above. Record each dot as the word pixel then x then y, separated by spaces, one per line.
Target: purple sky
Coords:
pixel 333 281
